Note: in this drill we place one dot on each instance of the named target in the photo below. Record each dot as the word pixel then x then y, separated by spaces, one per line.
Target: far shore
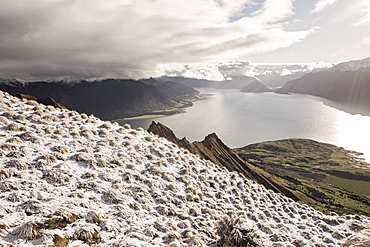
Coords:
pixel 153 115
pixel 165 113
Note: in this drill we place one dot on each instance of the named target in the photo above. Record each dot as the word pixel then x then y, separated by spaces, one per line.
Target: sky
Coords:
pixel 88 39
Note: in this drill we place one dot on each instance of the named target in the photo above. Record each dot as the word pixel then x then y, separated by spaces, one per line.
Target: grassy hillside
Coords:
pixel 327 177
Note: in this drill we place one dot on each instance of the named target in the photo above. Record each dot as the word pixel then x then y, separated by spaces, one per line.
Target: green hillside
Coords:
pixel 327 177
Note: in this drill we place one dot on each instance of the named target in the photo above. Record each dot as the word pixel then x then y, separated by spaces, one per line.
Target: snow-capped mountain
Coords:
pixel 355 65
pixel 68 179
pixel 347 83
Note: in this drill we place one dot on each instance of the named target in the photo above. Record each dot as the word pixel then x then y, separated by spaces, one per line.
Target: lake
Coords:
pixel 240 119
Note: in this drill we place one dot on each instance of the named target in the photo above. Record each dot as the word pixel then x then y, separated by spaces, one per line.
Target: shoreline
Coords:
pixel 165 113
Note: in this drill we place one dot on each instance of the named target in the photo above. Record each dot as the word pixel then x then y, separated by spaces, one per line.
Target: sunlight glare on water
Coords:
pixel 354 133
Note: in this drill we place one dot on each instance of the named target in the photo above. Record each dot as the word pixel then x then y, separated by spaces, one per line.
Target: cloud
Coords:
pixel 322 4
pixel 275 10
pixel 236 68
pixel 365 41
pixel 131 38
pixel 365 10
pixel 200 71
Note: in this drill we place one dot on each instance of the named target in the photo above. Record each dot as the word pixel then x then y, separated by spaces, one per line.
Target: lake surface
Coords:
pixel 240 119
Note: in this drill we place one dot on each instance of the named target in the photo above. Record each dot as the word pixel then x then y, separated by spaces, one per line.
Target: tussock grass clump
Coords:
pixel 8 147
pixel 112 196
pixel 84 116
pixel 56 176
pixel 14 140
pixel 48 118
pixel 160 226
pixel 106 125
pixel 86 133
pixel 3 174
pixel 46 159
pixel 60 149
pixel 93 217
pixel 29 136
pixel 171 237
pixel 80 157
pixel 150 232
pixel 29 231
pixel 162 209
pixel 103 132
pixel 4 120
pixel 20 164
pixel 233 233
pixel 154 169
pixel 90 119
pixel 3 227
pixel 31 207
pixel 126 126
pixel 60 241
pixel 10 115
pixel 8 186
pixel 15 154
pixel 88 234
pixel 15 127
pixel 59 219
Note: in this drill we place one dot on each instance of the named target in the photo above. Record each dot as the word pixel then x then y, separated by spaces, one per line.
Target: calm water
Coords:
pixel 240 119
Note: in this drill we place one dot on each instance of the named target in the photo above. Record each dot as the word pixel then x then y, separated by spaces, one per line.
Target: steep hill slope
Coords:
pixel 109 98
pixel 346 82
pixel 69 179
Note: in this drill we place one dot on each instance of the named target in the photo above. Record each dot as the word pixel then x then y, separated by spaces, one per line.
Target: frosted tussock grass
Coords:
pixel 117 186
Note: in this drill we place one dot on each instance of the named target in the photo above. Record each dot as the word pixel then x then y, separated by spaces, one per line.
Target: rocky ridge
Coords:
pixel 214 150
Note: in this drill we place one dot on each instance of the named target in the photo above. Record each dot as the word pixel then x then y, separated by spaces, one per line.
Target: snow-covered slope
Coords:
pixel 72 179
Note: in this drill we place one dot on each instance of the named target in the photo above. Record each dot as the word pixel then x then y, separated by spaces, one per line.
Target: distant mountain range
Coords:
pixel 347 82
pixel 110 98
pixel 243 83
pixel 237 82
pixel 275 76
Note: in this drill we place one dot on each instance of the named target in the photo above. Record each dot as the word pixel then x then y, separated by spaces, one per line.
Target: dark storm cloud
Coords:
pixel 127 38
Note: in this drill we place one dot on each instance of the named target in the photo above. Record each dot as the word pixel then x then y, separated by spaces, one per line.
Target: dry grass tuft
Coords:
pixel 3 174
pixel 88 234
pixel 93 217
pixel 15 127
pixel 233 234
pixel 29 231
pixel 60 241
pixel 360 239
pixel 56 176
pixel 7 186
pixel 20 164
pixel 112 196
pixel 60 149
